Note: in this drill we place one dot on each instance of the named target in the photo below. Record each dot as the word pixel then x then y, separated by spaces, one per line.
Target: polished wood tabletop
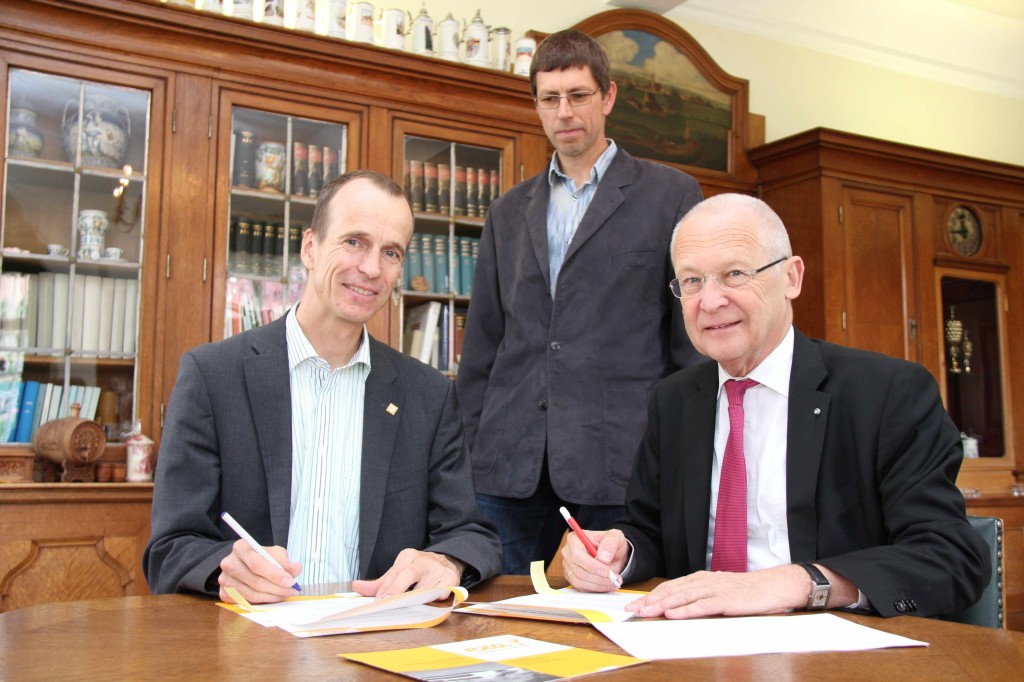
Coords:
pixel 186 637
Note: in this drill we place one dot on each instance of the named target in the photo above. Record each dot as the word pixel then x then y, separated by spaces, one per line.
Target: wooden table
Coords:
pixel 189 638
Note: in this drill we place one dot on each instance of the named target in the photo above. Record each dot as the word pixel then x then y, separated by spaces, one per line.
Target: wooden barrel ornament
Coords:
pixel 72 442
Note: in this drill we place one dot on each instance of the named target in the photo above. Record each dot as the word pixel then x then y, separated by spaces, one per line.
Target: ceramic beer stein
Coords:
pixel 273 12
pixel 423 33
pixel 336 11
pixel 448 39
pixel 524 56
pixel 392 28
pixel 361 24
pixel 477 35
pixel 502 48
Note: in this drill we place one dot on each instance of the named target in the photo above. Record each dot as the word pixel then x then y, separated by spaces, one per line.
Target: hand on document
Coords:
pixel 413 567
pixel 764 592
pixel 590 574
pixel 255 578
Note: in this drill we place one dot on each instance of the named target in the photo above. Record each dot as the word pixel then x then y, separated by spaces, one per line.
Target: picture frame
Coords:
pixel 674 104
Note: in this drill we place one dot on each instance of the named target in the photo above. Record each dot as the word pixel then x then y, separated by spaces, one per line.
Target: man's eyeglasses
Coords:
pixel 688 287
pixel 575 99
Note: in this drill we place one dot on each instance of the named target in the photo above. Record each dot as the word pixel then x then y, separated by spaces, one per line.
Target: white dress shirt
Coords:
pixel 327 445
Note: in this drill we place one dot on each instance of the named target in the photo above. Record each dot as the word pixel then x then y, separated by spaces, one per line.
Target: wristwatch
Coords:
pixel 820 588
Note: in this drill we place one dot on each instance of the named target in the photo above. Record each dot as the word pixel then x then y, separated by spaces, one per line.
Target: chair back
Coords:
pixel 988 610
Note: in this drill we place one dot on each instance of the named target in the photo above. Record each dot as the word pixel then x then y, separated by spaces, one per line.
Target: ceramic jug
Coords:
pixel 105 131
pixel 361 24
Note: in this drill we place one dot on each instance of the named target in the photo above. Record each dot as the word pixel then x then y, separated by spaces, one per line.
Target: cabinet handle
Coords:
pixel 204 270
pixel 912 324
pixel 167 268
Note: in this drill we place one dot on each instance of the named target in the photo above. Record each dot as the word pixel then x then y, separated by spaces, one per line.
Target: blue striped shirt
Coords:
pixel 567 206
pixel 327 447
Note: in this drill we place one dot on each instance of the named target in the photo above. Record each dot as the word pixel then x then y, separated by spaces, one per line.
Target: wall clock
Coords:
pixel 964 230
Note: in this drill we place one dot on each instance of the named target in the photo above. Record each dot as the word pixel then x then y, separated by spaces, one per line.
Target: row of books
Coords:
pixel 26 405
pixel 427 264
pixel 433 334
pixel 431 187
pixel 34 312
pixel 253 303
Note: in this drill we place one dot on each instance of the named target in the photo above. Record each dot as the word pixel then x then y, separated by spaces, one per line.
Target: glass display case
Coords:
pixel 279 163
pixel 73 231
pixel 450 186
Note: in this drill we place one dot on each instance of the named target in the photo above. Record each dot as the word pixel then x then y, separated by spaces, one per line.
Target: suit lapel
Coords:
pixel 380 431
pixel 537 223
pixel 699 410
pixel 269 389
pixel 606 201
pixel 808 415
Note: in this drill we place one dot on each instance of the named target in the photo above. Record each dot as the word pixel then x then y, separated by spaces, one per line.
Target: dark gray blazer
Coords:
pixel 227 446
pixel 572 374
pixel 871 465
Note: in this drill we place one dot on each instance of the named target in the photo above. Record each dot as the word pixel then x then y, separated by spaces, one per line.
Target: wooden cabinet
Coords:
pixel 877 225
pixel 64 542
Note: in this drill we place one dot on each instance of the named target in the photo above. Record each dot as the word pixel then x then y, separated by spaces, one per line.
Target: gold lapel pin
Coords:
pixel 392 409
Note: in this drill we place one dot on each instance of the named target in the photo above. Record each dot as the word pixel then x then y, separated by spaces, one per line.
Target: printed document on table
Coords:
pixel 709 637
pixel 565 605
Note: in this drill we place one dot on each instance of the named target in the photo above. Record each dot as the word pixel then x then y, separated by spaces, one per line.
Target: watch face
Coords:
pixel 964 231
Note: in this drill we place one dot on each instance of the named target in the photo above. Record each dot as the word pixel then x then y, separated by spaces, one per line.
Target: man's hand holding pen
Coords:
pixel 255 578
pixel 590 573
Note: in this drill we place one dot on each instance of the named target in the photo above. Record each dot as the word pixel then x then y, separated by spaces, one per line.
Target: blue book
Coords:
pixel 456 266
pixel 466 265
pixel 427 250
pixel 413 263
pixel 441 265
pixel 23 434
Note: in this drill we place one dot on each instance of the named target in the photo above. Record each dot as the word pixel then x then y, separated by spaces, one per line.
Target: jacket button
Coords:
pixel 556 346
pixel 900 606
pixel 543 405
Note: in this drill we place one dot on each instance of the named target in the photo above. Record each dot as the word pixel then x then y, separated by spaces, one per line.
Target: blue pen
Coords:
pixel 242 533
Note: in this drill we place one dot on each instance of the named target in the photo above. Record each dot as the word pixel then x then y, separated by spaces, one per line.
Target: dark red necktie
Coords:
pixel 729 552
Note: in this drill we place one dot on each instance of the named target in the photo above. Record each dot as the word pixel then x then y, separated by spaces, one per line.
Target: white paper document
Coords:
pixel 565 605
pixel 707 637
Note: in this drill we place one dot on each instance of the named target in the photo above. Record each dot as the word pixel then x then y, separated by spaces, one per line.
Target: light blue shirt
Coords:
pixel 327 447
pixel 567 206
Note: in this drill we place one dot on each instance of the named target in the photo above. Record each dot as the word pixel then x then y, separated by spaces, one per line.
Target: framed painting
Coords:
pixel 674 103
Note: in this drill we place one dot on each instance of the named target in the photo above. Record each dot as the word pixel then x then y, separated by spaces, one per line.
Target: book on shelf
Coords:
pixel 106 314
pixel 118 315
pixel 93 301
pixel 78 314
pixel 42 405
pixel 131 310
pixel 420 325
pixel 53 407
pixel 32 310
pixel 61 286
pixel 44 314
pixel 26 412
pixel 428 257
pixel 444 332
pixel 459 333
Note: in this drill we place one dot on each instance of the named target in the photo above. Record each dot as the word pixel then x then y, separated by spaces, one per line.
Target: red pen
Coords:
pixel 591 548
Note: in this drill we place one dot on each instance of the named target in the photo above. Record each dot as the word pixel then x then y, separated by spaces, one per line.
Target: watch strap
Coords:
pixel 820 587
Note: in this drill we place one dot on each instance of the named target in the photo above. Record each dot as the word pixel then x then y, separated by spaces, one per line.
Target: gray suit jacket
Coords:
pixel 871 465
pixel 227 446
pixel 571 376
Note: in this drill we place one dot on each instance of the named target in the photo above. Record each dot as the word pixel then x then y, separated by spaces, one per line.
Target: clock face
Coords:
pixel 964 231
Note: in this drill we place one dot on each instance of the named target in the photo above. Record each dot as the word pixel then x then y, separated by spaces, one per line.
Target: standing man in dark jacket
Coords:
pixel 571 321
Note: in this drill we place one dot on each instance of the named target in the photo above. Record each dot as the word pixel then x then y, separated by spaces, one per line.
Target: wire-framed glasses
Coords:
pixel 690 286
pixel 575 99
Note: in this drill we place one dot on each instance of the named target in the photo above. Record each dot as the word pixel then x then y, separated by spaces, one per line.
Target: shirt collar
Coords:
pixel 300 349
pixel 774 371
pixel 596 173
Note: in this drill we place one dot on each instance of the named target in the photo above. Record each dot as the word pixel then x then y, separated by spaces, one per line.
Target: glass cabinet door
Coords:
pixel 279 163
pixel 73 230
pixel 450 185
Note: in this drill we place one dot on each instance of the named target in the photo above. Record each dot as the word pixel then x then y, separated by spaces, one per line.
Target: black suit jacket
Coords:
pixel 571 375
pixel 872 459
pixel 227 446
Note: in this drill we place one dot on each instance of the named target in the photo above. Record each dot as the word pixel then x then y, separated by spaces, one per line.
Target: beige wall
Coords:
pixel 797 88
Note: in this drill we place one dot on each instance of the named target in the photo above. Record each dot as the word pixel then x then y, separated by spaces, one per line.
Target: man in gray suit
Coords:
pixel 571 321
pixel 318 438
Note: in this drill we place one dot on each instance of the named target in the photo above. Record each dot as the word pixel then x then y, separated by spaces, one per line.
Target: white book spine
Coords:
pixel 131 308
pixel 91 313
pixel 106 313
pixel 77 308
pixel 61 284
